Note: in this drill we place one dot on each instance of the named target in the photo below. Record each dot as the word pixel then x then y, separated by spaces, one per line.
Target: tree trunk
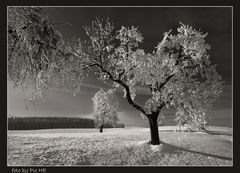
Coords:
pixel 154 129
pixel 101 128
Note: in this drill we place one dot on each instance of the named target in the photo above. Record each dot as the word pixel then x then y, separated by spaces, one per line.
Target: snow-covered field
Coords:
pixel 128 146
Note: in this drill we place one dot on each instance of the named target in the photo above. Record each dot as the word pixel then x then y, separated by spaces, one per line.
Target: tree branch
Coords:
pixel 191 67
pixel 129 98
pixel 160 107
pixel 91 65
pixel 120 74
pixel 169 77
pixel 165 82
pixel 119 81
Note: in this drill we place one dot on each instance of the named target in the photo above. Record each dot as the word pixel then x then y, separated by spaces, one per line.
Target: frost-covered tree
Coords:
pixel 37 55
pixel 178 73
pixel 105 109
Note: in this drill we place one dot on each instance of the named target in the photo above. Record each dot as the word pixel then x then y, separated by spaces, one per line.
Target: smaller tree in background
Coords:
pixel 105 112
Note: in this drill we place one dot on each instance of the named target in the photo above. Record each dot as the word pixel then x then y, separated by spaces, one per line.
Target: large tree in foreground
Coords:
pixel 178 74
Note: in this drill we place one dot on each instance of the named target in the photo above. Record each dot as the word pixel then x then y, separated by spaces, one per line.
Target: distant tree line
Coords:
pixel 33 123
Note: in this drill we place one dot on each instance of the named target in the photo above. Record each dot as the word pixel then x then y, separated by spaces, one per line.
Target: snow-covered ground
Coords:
pixel 127 146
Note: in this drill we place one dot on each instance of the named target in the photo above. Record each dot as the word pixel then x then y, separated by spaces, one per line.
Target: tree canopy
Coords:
pixel 178 73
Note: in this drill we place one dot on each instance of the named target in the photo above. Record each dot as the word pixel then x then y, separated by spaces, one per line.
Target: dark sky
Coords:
pixel 152 23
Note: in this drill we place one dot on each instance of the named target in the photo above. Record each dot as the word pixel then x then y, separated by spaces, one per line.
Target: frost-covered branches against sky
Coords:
pixel 177 73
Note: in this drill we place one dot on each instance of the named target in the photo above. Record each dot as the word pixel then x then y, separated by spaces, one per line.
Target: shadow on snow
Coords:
pixel 174 149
